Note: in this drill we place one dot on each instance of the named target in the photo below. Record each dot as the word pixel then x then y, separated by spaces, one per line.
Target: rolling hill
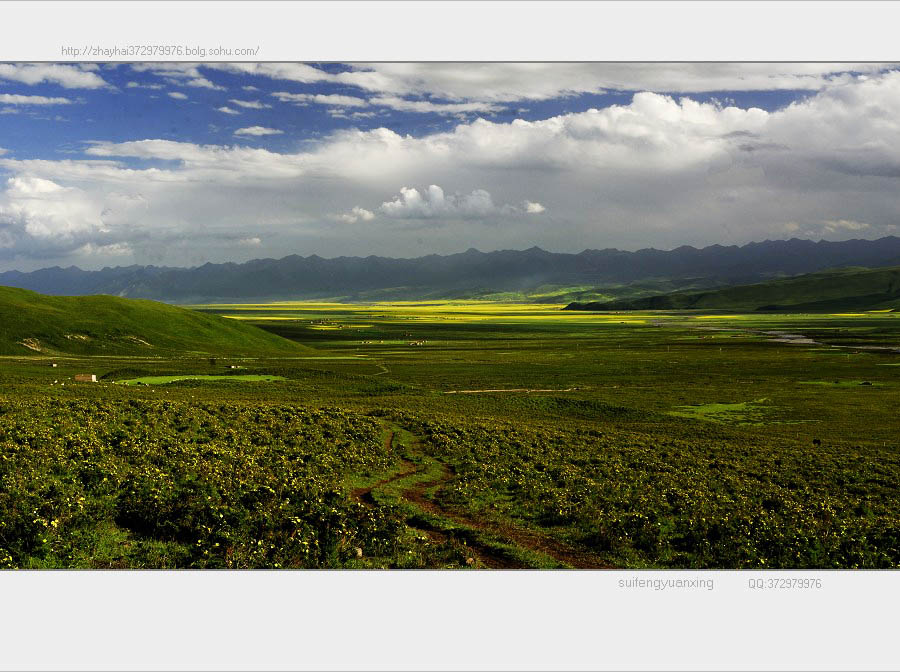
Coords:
pixel 828 291
pixel 31 323
pixel 467 274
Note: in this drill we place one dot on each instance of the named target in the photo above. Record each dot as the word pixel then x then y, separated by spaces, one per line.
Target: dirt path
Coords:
pixel 517 536
pixel 484 554
pixel 365 494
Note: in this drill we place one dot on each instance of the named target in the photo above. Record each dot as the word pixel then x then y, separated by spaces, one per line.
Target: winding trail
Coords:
pixel 485 553
pixel 365 494
pixel 513 534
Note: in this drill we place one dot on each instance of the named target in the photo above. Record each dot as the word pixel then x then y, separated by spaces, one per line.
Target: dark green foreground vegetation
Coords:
pixel 619 441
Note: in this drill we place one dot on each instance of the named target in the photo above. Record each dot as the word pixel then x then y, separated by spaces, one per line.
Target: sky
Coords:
pixel 171 164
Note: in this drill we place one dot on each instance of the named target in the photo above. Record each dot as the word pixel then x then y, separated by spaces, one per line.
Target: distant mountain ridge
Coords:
pixel 456 274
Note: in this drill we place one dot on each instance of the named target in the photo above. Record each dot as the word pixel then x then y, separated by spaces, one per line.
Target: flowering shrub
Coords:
pixel 196 485
pixel 644 500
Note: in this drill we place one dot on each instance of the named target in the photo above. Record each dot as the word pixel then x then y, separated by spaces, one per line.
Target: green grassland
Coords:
pixel 464 434
pixel 551 293
pixel 162 380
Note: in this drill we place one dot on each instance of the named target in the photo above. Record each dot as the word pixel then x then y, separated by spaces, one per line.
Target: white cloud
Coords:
pixel 42 209
pixel 111 250
pixel 218 164
pixel 179 74
pixel 292 72
pixel 341 113
pixel 653 171
pixel 15 99
pixel 653 134
pixel 227 110
pixel 434 204
pixel 202 83
pixel 509 82
pixel 830 228
pixel 320 99
pixel 833 225
pixel 249 88
pixel 466 88
pixel 255 241
pixel 138 85
pixel 355 215
pixel 249 104
pixel 258 131
pixel 40 218
pixel 403 105
pixel 177 95
pixel 67 76
pixel 30 187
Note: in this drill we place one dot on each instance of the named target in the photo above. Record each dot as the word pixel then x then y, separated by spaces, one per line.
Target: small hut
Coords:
pixel 85 377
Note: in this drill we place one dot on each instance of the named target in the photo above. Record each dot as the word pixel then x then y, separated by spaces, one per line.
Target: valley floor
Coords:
pixel 454 434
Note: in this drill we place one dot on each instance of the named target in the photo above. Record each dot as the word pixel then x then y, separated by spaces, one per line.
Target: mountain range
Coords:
pixel 465 275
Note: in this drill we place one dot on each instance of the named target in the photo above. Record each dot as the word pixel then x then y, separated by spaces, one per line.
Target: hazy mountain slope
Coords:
pixel 467 274
pixel 32 323
pixel 843 289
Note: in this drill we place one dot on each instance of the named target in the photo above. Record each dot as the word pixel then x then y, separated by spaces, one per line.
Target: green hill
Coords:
pixel 32 323
pixel 827 291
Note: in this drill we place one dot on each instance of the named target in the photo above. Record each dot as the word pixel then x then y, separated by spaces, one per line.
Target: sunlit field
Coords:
pixel 468 434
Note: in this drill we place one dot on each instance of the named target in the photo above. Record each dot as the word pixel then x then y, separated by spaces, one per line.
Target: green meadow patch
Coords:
pixel 335 357
pixel 163 380
pixel 741 413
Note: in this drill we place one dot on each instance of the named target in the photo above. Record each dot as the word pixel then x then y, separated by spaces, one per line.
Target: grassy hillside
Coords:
pixel 32 323
pixel 828 291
